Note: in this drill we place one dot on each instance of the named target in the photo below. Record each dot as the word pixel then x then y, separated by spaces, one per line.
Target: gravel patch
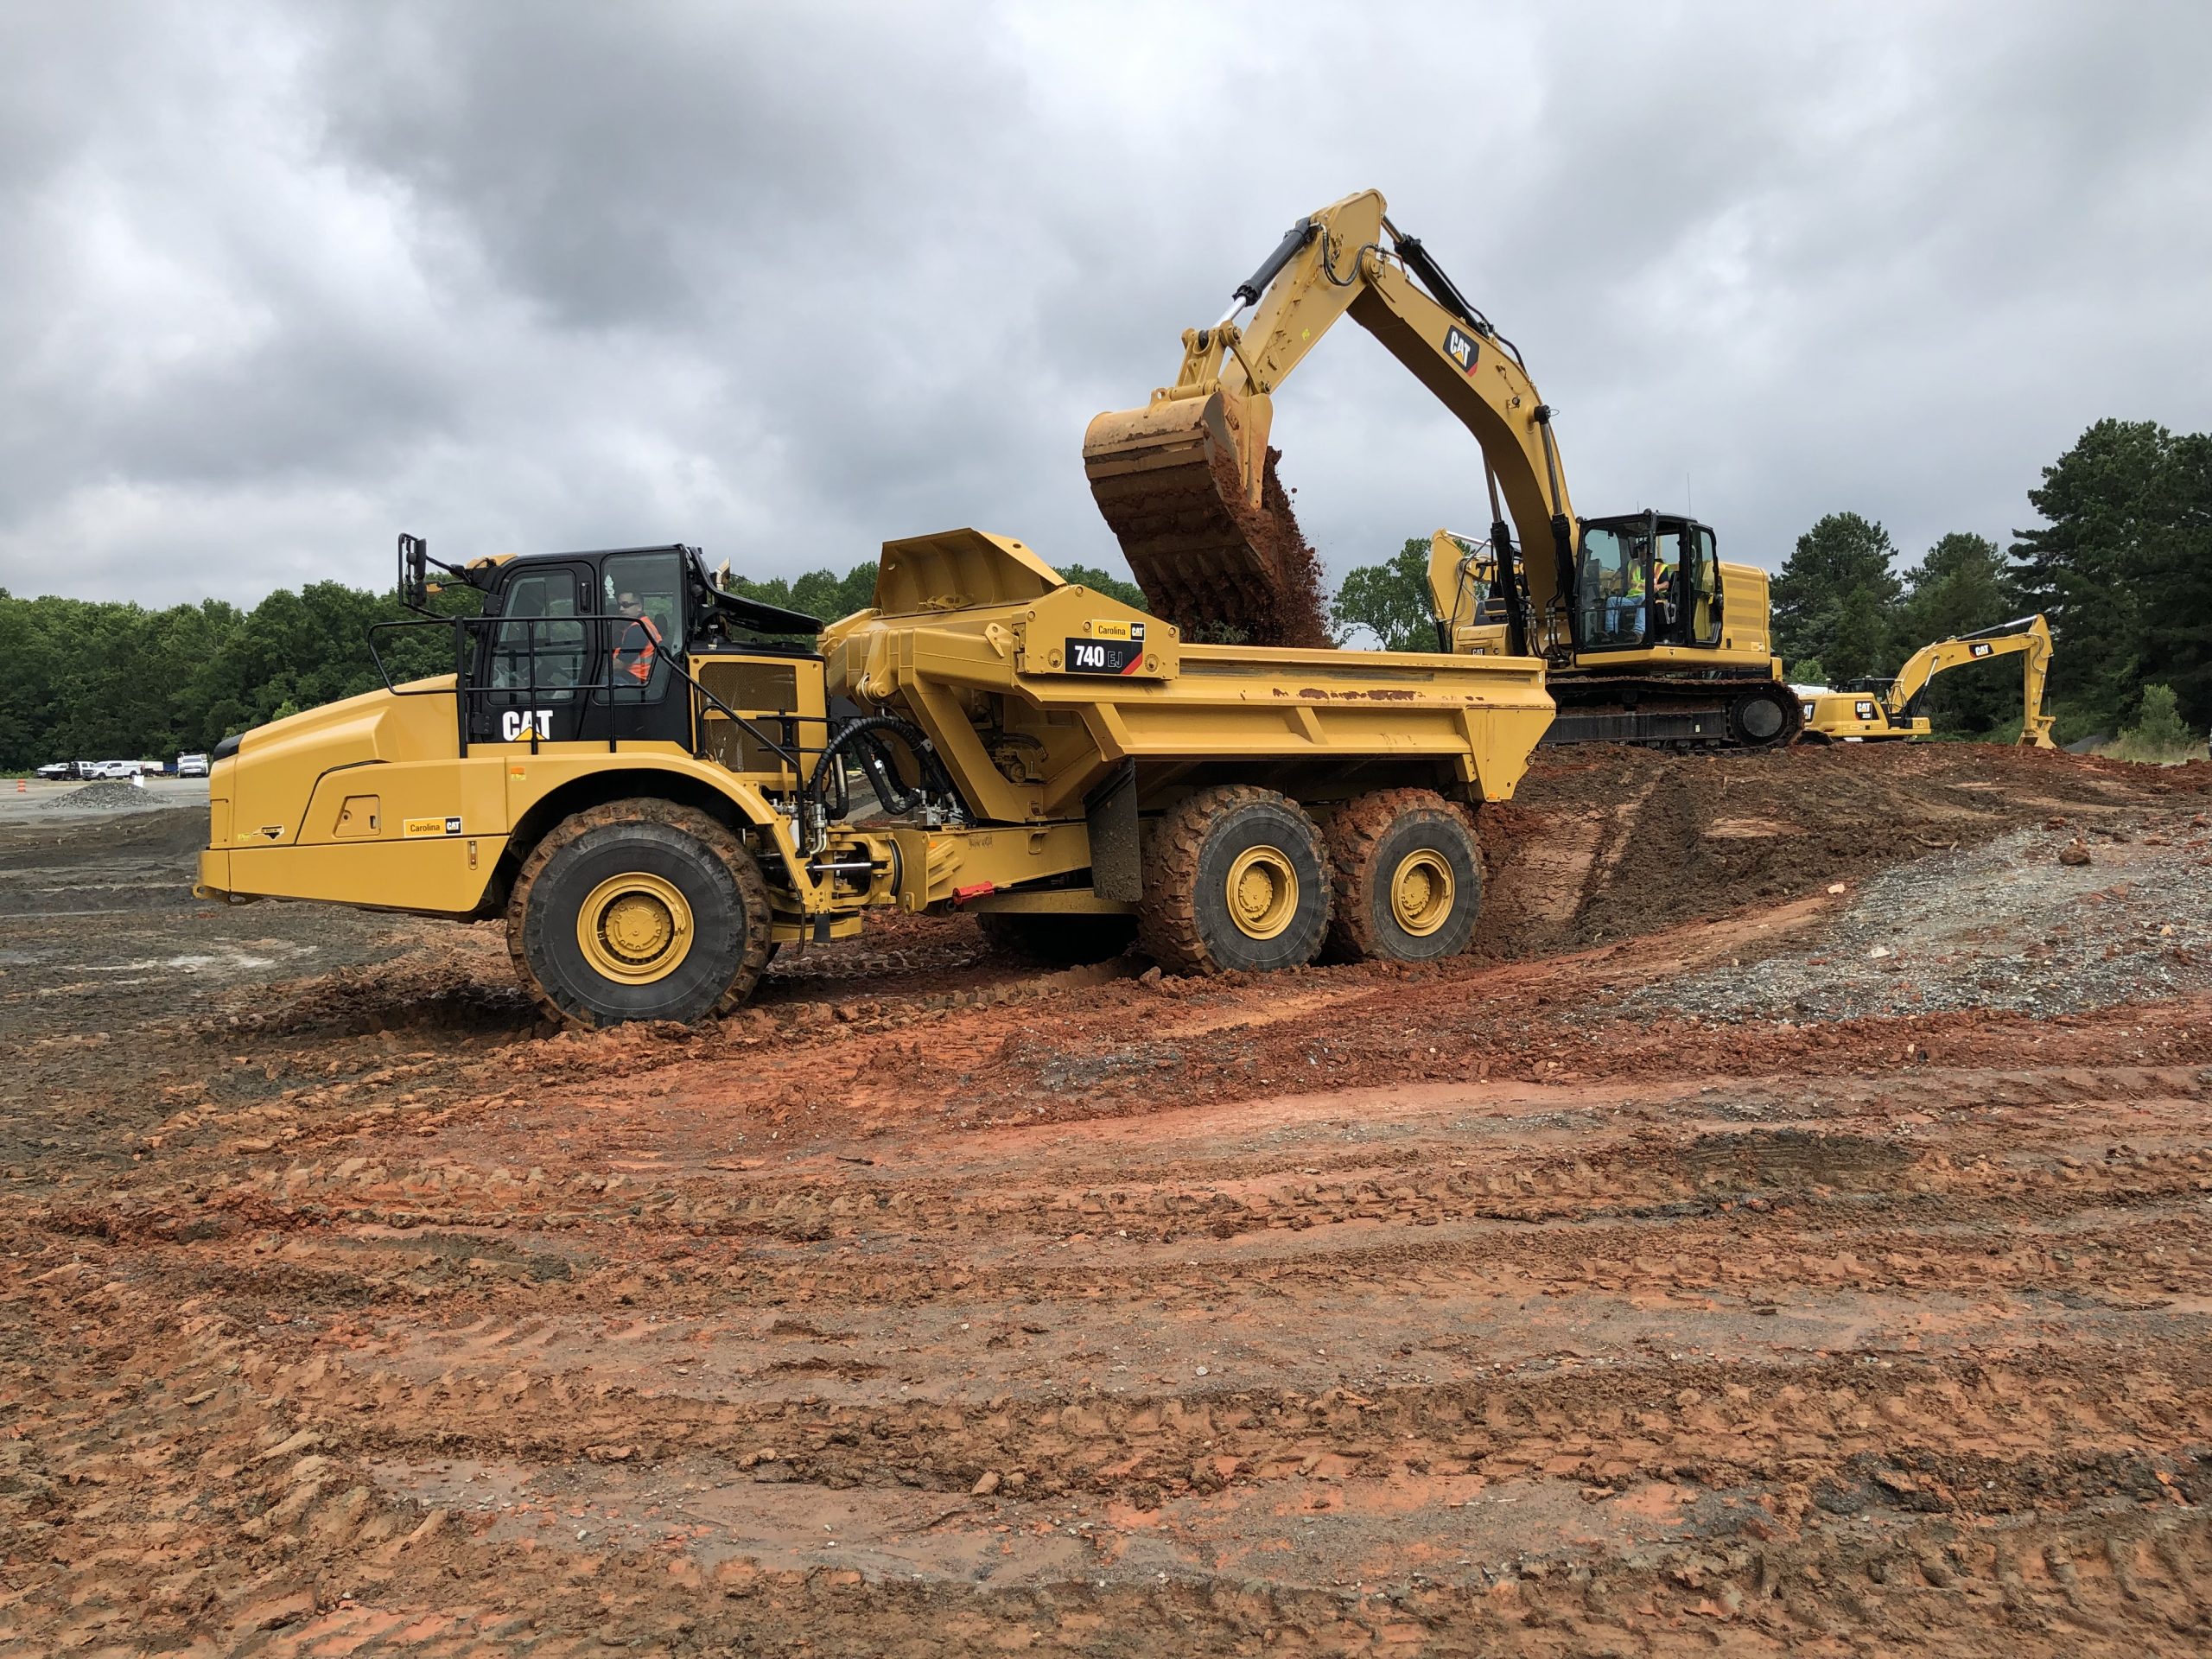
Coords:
pixel 2002 926
pixel 109 795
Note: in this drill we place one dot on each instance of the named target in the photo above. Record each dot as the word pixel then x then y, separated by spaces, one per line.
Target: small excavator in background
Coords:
pixel 1877 711
pixel 1645 635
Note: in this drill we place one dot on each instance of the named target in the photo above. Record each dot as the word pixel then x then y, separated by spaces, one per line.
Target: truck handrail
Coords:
pixel 790 750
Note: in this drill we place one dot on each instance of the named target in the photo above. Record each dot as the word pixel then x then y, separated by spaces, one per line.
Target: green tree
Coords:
pixel 1390 600
pixel 2158 732
pixel 2175 573
pixel 1837 598
pixel 2106 506
pixel 1102 582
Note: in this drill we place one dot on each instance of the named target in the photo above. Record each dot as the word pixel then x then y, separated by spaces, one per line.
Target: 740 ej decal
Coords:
pixel 1113 648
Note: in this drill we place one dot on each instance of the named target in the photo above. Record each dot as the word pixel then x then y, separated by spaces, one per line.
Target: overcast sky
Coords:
pixel 787 281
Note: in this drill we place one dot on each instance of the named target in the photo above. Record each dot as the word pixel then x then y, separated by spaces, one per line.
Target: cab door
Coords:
pixel 534 663
pixel 638 693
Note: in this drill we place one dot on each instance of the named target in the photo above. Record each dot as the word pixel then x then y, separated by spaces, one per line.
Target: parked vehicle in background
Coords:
pixel 114 769
pixel 192 765
pixel 64 769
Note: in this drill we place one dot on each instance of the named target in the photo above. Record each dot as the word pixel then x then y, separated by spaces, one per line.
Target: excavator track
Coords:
pixel 1748 713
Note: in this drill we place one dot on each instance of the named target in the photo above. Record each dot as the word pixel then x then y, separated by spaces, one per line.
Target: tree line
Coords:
pixel 2121 565
pixel 89 680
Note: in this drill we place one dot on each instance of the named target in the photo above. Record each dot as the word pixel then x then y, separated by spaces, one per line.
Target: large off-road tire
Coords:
pixel 639 909
pixel 1236 878
pixel 1050 941
pixel 1409 877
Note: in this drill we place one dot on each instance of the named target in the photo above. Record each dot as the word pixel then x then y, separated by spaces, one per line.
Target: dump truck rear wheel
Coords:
pixel 1236 878
pixel 1409 877
pixel 639 909
pixel 1056 941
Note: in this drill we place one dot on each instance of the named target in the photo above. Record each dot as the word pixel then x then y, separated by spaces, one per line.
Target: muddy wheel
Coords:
pixel 1048 941
pixel 1236 878
pixel 1763 716
pixel 639 909
pixel 1409 877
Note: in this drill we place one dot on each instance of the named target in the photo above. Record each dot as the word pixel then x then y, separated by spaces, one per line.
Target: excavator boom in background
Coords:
pixel 1646 636
pixel 1878 712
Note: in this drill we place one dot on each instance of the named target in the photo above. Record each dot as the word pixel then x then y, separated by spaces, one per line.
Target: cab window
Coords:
pixel 540 640
pixel 1701 591
pixel 1611 581
pixel 641 594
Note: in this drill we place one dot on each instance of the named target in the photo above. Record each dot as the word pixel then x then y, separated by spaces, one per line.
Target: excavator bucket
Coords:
pixel 1209 536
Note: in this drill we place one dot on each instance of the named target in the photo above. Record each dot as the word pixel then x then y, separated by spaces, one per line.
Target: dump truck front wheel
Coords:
pixel 639 909
pixel 1409 877
pixel 1236 878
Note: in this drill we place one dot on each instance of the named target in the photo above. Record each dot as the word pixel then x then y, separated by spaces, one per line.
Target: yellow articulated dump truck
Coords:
pixel 657 788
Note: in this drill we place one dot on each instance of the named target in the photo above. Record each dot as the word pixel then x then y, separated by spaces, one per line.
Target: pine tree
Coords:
pixel 1837 597
pixel 1961 586
pixel 2107 505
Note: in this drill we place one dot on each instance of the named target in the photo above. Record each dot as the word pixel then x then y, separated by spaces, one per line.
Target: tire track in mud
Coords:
pixel 2071 1198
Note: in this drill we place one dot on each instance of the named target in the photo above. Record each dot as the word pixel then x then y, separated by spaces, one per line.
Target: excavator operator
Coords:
pixel 1628 619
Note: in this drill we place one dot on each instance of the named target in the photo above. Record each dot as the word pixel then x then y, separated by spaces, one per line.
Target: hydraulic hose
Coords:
pixel 865 737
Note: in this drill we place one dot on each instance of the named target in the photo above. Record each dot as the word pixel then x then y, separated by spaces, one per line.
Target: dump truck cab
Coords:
pixel 585 680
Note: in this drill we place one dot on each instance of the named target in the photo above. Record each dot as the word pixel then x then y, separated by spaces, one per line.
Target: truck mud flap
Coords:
pixel 1116 870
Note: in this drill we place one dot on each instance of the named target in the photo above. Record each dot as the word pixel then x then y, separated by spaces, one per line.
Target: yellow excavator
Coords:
pixel 1879 711
pixel 1646 636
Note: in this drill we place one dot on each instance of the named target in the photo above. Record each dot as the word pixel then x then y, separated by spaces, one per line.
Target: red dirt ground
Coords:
pixel 932 1306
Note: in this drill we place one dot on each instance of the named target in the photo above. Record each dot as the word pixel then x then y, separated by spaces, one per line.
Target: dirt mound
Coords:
pixel 1604 841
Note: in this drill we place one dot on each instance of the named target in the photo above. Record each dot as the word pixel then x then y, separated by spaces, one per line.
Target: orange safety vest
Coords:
pixel 637 661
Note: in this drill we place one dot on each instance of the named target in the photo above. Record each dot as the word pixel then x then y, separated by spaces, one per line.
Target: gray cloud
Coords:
pixel 789 281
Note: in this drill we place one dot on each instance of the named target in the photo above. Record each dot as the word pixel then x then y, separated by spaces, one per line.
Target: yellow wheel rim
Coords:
pixel 1262 893
pixel 634 927
pixel 1422 892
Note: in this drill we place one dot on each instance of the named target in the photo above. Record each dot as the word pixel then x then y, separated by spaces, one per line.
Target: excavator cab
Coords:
pixel 1646 579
